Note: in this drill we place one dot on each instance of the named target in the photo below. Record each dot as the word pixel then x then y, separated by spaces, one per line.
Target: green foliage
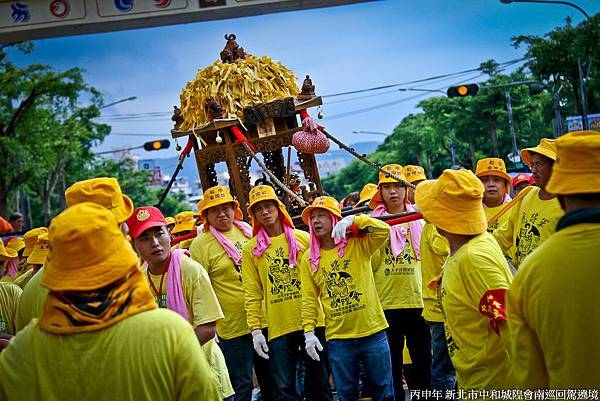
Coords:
pixel 474 127
pixel 554 55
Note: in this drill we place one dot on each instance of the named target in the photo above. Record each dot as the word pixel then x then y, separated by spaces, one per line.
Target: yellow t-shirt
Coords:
pixel 477 352
pixel 398 280
pixel 226 280
pixel 9 300
pixel 152 355
pixel 203 307
pixel 491 211
pixel 345 286
pixel 434 252
pixel 32 300
pixel 271 279
pixel 553 313
pixel 528 225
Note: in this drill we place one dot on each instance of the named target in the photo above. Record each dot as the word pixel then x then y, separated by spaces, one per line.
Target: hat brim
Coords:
pixel 145 226
pixel 573 182
pixel 123 211
pixel 464 222
pixel 116 266
pixel 38 257
pixel 18 248
pixel 284 215
pixel 526 154
pixel 495 173
pixel 237 212
pixel 306 212
pixel 183 227
pixel 9 253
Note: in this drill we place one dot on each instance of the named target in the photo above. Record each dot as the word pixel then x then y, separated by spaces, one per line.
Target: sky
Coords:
pixel 342 48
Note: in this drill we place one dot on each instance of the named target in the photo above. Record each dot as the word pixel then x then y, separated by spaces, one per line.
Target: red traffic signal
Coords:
pixel 157 145
pixel 463 90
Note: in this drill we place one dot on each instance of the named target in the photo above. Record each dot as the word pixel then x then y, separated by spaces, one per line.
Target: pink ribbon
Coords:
pixel 398 233
pixel 315 244
pixel 175 298
pixel 231 250
pixel 13 267
pixel 263 242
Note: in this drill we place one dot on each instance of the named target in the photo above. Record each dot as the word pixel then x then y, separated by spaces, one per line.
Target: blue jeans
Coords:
pixel 443 376
pixel 284 353
pixel 374 354
pixel 238 353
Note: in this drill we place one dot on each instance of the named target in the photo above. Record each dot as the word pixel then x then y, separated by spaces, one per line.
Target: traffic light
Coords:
pixel 463 90
pixel 536 88
pixel 157 145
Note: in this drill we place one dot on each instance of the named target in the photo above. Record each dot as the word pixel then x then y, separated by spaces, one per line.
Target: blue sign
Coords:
pixel 124 5
pixel 20 12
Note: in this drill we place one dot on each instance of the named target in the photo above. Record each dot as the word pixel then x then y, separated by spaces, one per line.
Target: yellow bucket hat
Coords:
pixel 170 220
pixel 492 166
pixel 546 147
pixel 262 193
pixel 414 173
pixel 16 243
pixel 87 250
pixel 453 202
pixel 184 221
pixel 7 252
pixel 216 196
pixel 577 167
pixel 40 251
pixel 30 239
pixel 322 202
pixel 366 194
pixel 105 192
pixel 395 169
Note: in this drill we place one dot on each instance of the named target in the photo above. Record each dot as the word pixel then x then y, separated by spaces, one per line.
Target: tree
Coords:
pixel 134 183
pixel 554 57
pixel 43 131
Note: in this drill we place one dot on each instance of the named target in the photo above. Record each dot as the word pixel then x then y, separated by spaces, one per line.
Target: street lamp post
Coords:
pixel 566 3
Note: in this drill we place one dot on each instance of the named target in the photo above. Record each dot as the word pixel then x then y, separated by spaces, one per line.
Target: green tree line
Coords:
pixel 48 129
pixel 459 131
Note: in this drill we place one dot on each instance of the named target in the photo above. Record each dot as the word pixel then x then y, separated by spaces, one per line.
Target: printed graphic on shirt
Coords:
pixel 529 237
pixel 285 280
pixel 452 347
pixel 344 296
pixel 162 302
pixel 493 226
pixel 238 268
pixel 402 265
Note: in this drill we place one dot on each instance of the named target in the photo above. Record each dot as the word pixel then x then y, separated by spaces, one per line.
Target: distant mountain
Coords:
pixel 190 171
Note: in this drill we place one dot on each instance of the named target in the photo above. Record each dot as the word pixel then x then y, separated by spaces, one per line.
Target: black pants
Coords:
pixel 409 324
pixel 284 352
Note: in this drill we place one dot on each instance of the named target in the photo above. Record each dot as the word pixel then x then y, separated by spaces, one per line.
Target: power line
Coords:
pixel 504 64
pixel 154 116
pixel 387 104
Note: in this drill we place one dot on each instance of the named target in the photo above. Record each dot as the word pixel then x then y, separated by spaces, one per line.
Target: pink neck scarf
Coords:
pixel 175 298
pixel 12 267
pixel 398 233
pixel 233 253
pixel 315 244
pixel 263 242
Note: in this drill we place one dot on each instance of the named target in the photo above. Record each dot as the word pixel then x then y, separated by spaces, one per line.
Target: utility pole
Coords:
pixel 558 129
pixel 511 123
pixel 584 111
